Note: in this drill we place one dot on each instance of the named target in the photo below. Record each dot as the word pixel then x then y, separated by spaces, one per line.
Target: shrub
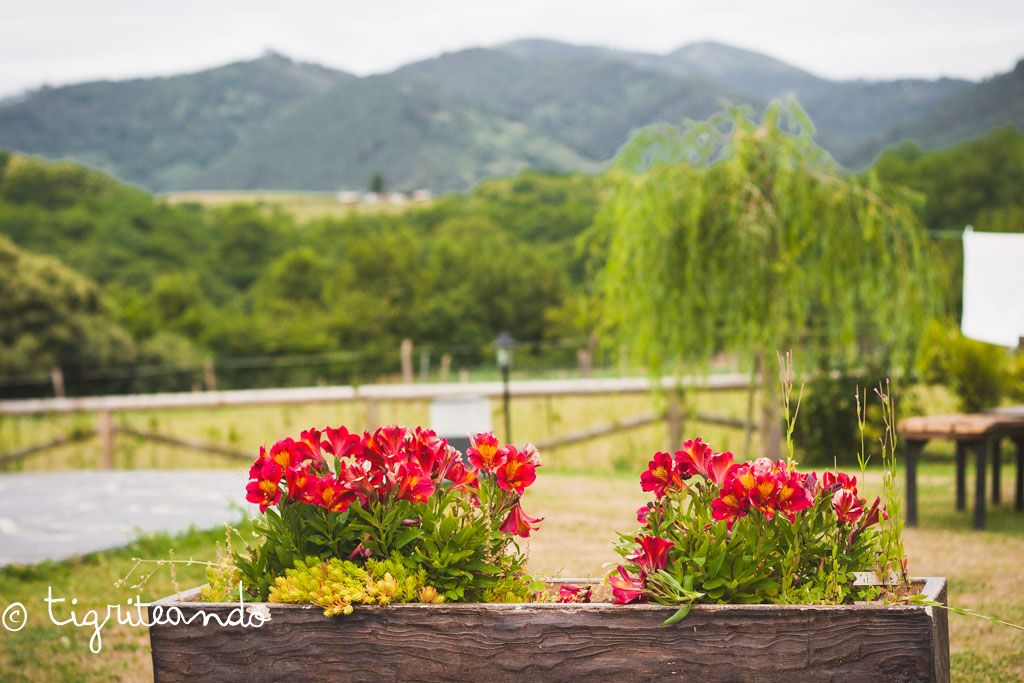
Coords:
pixel 393 516
pixel 721 531
pixel 977 373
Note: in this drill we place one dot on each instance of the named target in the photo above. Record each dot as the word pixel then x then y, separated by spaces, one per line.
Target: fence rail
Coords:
pixel 372 394
pixel 367 392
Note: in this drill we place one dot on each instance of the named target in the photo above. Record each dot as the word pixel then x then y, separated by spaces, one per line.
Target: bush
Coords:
pixel 978 374
pixel 826 427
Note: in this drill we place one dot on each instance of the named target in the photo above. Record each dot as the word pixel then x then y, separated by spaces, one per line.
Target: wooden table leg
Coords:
pixel 1019 497
pixel 982 455
pixel 913 449
pixel 961 475
pixel 997 467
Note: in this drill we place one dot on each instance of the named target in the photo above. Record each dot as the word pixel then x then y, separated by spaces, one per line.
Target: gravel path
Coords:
pixel 56 515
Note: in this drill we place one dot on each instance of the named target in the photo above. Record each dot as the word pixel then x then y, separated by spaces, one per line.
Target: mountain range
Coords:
pixel 446 122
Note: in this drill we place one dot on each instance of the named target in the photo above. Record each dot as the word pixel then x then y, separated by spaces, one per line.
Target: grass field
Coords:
pixel 585 493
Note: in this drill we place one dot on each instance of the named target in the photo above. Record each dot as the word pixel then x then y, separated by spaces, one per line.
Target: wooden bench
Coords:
pixel 978 432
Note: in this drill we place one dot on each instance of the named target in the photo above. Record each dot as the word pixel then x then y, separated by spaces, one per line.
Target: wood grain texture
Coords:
pixel 547 642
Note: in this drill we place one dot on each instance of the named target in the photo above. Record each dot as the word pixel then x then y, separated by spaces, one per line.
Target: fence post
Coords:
pixel 424 365
pixel 585 361
pixel 372 414
pixel 105 430
pixel 57 379
pixel 674 417
pixel 406 351
pixel 209 376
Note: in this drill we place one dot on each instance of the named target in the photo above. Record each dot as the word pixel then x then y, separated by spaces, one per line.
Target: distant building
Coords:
pixel 397 199
pixel 348 197
pixel 371 198
pixel 421 195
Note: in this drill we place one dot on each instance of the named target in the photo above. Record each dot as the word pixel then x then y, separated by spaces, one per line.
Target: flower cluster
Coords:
pixel 409 464
pixel 767 487
pixel 334 468
pixel 697 488
pixel 398 495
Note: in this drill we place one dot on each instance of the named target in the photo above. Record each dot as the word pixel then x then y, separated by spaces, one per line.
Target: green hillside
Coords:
pixel 590 104
pixel 994 103
pixel 159 132
pixel 846 113
pixel 448 122
pixel 414 135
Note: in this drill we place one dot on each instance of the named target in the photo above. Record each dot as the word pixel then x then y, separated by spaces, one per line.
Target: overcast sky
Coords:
pixel 61 41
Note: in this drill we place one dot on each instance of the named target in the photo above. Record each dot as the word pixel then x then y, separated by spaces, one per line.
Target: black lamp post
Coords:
pixel 503 345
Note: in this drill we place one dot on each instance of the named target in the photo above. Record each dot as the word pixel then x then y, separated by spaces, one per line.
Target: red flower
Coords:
pixel 427 449
pixel 651 555
pixel 791 497
pixel 761 483
pixel 531 454
pixel 519 523
pixel 461 476
pixel 518 470
pixel 266 474
pixel 570 592
pixel 413 483
pixel 486 453
pixel 386 444
pixel 263 492
pixel 875 512
pixel 341 443
pixel 641 514
pixel 693 458
pixel 329 493
pixel 285 454
pixel 625 588
pixel 661 475
pixel 733 500
pixel 847 506
pixel 300 480
pixel 830 480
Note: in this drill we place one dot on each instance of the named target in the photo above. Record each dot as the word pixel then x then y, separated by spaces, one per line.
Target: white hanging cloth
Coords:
pixel 993 306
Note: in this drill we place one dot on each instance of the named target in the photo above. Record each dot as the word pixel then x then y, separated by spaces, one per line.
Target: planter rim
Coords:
pixel 931 590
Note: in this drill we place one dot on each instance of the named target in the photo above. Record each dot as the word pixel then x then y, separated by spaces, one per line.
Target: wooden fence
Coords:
pixel 372 395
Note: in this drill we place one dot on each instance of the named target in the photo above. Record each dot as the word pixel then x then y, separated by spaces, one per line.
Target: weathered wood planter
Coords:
pixel 577 642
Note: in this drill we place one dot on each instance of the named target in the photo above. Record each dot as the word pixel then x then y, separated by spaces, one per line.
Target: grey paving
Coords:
pixel 57 515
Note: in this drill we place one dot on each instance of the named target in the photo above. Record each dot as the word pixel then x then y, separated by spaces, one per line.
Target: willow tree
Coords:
pixel 743 236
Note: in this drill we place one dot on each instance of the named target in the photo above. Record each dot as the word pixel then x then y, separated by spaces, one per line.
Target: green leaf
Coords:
pixel 678 616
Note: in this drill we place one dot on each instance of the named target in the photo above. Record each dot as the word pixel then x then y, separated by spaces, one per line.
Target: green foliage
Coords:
pixel 53 317
pixel 332 584
pixel 979 374
pixel 377 183
pixel 827 429
pixel 1016 383
pixel 188 283
pixel 337 585
pixel 809 561
pixel 962 185
pixel 745 237
pixel 392 580
pixel 288 534
pixel 222 577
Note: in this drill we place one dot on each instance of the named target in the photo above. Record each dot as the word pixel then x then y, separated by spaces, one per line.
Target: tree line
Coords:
pixel 119 288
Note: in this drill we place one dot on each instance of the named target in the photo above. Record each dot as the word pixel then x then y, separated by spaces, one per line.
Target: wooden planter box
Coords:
pixel 577 642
